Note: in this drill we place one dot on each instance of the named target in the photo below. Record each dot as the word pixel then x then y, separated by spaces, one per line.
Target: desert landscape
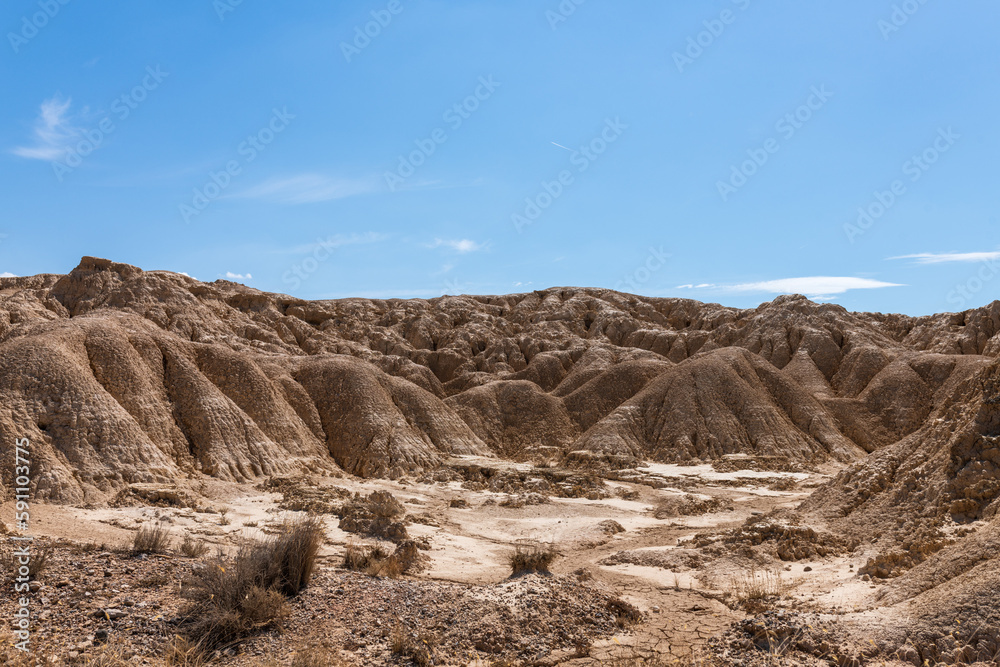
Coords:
pixel 570 476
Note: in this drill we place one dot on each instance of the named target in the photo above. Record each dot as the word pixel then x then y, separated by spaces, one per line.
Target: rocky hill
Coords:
pixel 120 375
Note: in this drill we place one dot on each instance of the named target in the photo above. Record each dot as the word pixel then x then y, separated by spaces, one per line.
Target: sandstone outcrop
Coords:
pixel 122 376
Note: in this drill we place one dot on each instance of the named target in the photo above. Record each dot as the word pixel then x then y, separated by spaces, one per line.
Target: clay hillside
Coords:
pixel 119 375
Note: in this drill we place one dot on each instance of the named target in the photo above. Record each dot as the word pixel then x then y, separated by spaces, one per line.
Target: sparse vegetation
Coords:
pixel 39 559
pixel 753 589
pixel 232 600
pixel 376 561
pixel 151 540
pixel 527 559
pixel 193 548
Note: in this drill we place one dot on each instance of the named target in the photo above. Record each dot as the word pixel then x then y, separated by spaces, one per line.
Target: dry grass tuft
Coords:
pixel 151 540
pixel 231 600
pixel 39 560
pixel 376 561
pixel 754 589
pixel 193 548
pixel 527 559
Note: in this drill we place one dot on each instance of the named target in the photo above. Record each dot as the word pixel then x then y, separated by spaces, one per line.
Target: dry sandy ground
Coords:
pixel 471 545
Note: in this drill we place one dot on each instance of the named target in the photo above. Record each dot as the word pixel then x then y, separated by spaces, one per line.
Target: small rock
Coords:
pixel 111 614
pixel 807 568
pixel 35 586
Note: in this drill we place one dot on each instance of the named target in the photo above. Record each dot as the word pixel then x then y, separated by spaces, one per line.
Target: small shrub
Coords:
pixel 39 560
pixel 377 562
pixel 531 558
pixel 108 656
pixel 625 613
pixel 151 540
pixel 232 600
pixel 182 653
pixel 754 589
pixel 193 548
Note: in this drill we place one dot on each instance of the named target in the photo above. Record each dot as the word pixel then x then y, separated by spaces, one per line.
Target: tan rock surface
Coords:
pixel 120 375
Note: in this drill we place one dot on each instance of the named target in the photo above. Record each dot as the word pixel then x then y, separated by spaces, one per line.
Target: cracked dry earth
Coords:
pixel 612 547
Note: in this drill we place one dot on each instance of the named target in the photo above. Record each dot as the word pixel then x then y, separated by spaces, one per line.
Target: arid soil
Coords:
pixel 792 484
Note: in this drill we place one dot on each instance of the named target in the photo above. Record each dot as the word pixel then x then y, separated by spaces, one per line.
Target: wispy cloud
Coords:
pixel 238 276
pixel 53 132
pixel 334 241
pixel 8 275
pixel 308 189
pixel 462 246
pixel 951 257
pixel 809 285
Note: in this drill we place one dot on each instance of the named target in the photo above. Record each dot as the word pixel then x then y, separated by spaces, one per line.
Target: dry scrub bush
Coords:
pixel 531 558
pixel 39 560
pixel 182 653
pixel 376 561
pixel 233 599
pixel 193 548
pixel 151 540
pixel 754 588
pixel 625 613
pixel 107 656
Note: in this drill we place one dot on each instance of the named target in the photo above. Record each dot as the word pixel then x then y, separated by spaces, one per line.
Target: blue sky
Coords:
pixel 724 150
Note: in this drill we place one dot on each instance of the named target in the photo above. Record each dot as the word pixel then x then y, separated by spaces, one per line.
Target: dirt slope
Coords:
pixel 122 375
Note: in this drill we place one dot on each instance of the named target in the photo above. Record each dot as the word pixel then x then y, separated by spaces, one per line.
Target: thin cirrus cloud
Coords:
pixel 238 276
pixel 53 133
pixel 308 189
pixel 809 285
pixel 461 246
pixel 951 257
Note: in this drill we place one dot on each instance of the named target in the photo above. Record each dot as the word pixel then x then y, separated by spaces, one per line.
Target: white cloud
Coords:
pixel 8 275
pixel 950 257
pixel 335 241
pixel 238 276
pixel 53 132
pixel 308 189
pixel 812 285
pixel 458 245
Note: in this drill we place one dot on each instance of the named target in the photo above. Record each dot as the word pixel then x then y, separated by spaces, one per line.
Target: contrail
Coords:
pixel 563 147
